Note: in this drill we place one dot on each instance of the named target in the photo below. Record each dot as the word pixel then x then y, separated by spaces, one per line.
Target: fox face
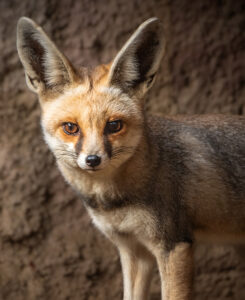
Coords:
pixel 92 121
pixel 94 131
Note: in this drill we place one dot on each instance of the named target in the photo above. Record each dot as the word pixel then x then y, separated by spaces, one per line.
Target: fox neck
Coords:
pixel 117 183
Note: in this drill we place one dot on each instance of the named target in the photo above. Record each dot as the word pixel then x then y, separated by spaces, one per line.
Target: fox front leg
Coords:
pixel 137 266
pixel 176 271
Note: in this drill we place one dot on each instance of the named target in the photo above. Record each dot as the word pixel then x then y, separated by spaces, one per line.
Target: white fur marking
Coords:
pixel 81 161
pixel 52 141
pixel 71 147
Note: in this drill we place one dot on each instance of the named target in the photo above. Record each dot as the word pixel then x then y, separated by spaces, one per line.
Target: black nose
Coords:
pixel 93 160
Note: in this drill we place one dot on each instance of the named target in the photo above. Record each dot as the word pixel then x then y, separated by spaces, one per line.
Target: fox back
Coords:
pixel 152 185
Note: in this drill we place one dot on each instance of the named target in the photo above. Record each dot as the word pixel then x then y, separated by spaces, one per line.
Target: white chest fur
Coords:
pixel 129 220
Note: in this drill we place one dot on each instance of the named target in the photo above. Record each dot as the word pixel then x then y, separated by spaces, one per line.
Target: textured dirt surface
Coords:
pixel 48 246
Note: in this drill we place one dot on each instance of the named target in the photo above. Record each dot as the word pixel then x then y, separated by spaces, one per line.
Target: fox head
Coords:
pixel 91 120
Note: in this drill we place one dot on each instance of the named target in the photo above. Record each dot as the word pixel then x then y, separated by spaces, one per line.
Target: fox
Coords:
pixel 154 186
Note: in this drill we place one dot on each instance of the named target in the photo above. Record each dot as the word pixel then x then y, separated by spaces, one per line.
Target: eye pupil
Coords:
pixel 70 128
pixel 113 126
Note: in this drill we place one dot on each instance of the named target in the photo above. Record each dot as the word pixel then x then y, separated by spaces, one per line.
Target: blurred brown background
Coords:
pixel 48 247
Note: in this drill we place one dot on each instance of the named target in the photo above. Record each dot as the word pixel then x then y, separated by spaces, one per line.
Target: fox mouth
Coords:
pixel 92 169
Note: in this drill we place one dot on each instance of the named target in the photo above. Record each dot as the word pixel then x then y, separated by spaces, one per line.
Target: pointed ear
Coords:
pixel 134 68
pixel 46 68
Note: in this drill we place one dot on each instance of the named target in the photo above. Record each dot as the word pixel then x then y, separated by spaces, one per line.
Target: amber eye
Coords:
pixel 113 126
pixel 70 128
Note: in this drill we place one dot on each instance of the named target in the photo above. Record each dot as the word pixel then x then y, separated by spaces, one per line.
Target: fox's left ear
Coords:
pixel 46 68
pixel 134 68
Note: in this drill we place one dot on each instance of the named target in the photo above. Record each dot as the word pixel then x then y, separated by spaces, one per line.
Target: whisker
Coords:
pixel 116 154
pixel 67 152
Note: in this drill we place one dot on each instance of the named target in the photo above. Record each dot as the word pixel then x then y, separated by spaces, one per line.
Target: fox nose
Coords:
pixel 93 160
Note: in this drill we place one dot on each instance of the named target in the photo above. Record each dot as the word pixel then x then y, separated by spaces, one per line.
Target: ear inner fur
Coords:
pixel 139 58
pixel 46 68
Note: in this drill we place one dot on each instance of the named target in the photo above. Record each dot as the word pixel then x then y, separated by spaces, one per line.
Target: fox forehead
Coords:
pixel 89 104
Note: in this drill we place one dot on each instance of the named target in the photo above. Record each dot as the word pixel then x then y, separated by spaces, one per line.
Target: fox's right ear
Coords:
pixel 46 68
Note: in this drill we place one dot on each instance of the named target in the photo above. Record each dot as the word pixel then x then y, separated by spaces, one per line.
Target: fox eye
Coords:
pixel 113 126
pixel 70 128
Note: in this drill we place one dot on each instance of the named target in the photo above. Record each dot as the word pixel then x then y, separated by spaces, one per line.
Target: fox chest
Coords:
pixel 125 221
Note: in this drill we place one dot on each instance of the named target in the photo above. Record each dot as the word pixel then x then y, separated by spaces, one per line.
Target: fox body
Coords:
pixel 152 185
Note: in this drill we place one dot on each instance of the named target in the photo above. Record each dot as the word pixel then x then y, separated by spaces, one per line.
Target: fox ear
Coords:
pixel 134 68
pixel 46 68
